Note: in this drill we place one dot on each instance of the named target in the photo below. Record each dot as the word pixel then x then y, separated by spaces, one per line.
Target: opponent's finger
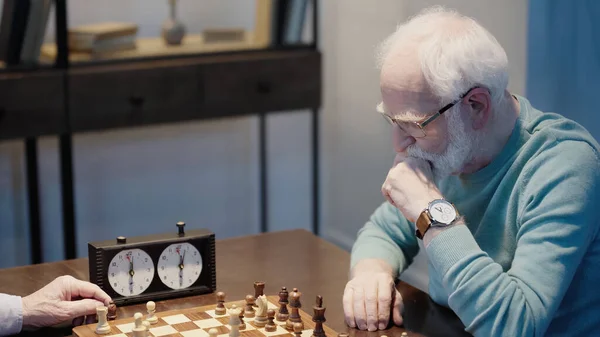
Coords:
pixel 371 305
pixel 347 300
pixel 359 308
pixel 77 321
pixel 88 290
pixel 384 304
pixel 398 310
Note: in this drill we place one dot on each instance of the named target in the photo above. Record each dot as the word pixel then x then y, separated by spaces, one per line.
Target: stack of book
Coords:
pixel 102 38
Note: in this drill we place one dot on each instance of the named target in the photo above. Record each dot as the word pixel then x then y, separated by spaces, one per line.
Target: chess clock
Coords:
pixel 155 267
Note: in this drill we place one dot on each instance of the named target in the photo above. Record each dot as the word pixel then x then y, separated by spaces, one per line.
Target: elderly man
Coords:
pixel 61 300
pixel 502 196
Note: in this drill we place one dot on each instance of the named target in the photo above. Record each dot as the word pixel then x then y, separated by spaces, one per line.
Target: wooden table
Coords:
pixel 290 258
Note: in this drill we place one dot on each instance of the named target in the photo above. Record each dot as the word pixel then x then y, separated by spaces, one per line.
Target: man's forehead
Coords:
pixel 407 104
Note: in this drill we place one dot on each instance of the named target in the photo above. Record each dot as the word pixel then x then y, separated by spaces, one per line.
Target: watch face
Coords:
pixel 179 265
pixel 130 272
pixel 442 211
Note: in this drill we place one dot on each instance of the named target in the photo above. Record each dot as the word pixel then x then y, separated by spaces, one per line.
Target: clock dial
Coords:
pixel 442 211
pixel 179 265
pixel 130 272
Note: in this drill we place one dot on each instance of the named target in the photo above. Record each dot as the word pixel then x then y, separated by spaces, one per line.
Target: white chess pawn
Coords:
pixel 146 325
pixel 139 330
pixel 102 328
pixel 213 332
pixel 151 306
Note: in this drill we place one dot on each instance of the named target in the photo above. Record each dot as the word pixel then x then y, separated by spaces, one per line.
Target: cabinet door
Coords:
pixel 122 96
pixel 31 104
pixel 284 81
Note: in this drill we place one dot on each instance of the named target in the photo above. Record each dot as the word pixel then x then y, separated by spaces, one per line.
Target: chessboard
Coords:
pixel 204 321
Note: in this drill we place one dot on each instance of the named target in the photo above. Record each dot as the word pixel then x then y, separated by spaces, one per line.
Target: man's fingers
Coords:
pixel 349 307
pixel 359 308
pixel 385 288
pixel 371 305
pixel 81 308
pixel 88 290
pixel 398 308
pixel 90 319
pixel 77 321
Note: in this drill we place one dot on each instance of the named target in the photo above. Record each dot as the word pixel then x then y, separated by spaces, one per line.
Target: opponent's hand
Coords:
pixel 63 299
pixel 409 186
pixel 370 297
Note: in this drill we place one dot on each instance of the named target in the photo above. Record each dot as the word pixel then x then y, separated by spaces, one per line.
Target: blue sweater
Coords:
pixel 527 263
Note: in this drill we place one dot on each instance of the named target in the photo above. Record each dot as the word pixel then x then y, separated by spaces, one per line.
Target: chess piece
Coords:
pixel 146 325
pixel 234 321
pixel 319 318
pixel 298 327
pixel 102 328
pixel 213 332
pixel 271 327
pixel 249 306
pixel 241 317
pixel 139 329
pixel 112 311
pixel 345 334
pixel 404 334
pixel 259 289
pixel 283 313
pixel 220 310
pixel 151 307
pixel 261 311
pixel 295 304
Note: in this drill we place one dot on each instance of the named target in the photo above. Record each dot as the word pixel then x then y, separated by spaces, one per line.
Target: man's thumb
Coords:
pixel 398 309
pixel 82 307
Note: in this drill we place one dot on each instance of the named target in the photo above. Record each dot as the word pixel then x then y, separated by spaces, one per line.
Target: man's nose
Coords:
pixel 402 140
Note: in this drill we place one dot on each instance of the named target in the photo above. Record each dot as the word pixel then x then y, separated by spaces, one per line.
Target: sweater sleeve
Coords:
pixel 11 315
pixel 558 221
pixel 388 236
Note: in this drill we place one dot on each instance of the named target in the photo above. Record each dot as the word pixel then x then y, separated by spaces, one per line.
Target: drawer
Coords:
pixel 124 96
pixel 31 105
pixel 289 82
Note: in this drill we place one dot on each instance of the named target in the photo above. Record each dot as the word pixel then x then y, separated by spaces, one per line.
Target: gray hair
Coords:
pixel 455 53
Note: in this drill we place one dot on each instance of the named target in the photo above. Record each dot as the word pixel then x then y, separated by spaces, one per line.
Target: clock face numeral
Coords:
pixel 179 265
pixel 130 272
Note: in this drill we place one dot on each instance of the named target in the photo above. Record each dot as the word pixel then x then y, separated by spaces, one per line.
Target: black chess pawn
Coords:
pixel 112 311
pixel 220 309
pixel 298 327
pixel 271 327
pixel 283 313
pixel 241 317
pixel 319 318
pixel 249 312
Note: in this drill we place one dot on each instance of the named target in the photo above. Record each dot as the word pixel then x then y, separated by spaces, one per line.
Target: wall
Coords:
pixel 131 181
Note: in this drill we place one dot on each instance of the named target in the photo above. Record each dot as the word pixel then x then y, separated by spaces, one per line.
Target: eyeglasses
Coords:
pixel 417 129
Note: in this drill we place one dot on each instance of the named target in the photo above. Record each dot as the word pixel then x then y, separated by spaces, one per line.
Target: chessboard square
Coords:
pixel 195 316
pixel 220 330
pixel 194 333
pixel 170 335
pixel 176 319
pixel 278 331
pixel 163 330
pixel 248 327
pixel 208 323
pixel 307 333
pixel 125 328
pixel 272 306
pixel 213 314
pixel 185 326
pixel 251 333
pixel 223 320
pixel 118 335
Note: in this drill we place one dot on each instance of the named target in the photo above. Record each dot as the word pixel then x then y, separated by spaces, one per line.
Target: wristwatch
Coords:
pixel 439 213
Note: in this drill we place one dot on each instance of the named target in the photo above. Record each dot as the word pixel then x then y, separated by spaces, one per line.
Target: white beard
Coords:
pixel 459 151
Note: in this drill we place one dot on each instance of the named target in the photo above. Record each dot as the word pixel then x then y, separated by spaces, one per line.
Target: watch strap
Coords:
pixel 423 224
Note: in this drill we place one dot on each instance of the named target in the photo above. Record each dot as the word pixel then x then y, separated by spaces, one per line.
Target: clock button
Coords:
pixel 121 239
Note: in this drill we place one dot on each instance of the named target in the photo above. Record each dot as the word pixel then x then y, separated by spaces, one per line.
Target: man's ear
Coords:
pixel 479 100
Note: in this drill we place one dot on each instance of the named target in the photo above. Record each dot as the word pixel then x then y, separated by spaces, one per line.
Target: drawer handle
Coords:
pixel 136 101
pixel 263 87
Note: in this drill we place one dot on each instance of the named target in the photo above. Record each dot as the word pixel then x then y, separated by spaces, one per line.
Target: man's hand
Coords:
pixel 371 297
pixel 409 186
pixel 63 299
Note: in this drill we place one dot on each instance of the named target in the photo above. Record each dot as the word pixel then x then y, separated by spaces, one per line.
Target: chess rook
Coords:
pixel 319 317
pixel 102 328
pixel 249 312
pixel 259 289
pixel 295 304
pixel 151 308
pixel 220 309
pixel 283 313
